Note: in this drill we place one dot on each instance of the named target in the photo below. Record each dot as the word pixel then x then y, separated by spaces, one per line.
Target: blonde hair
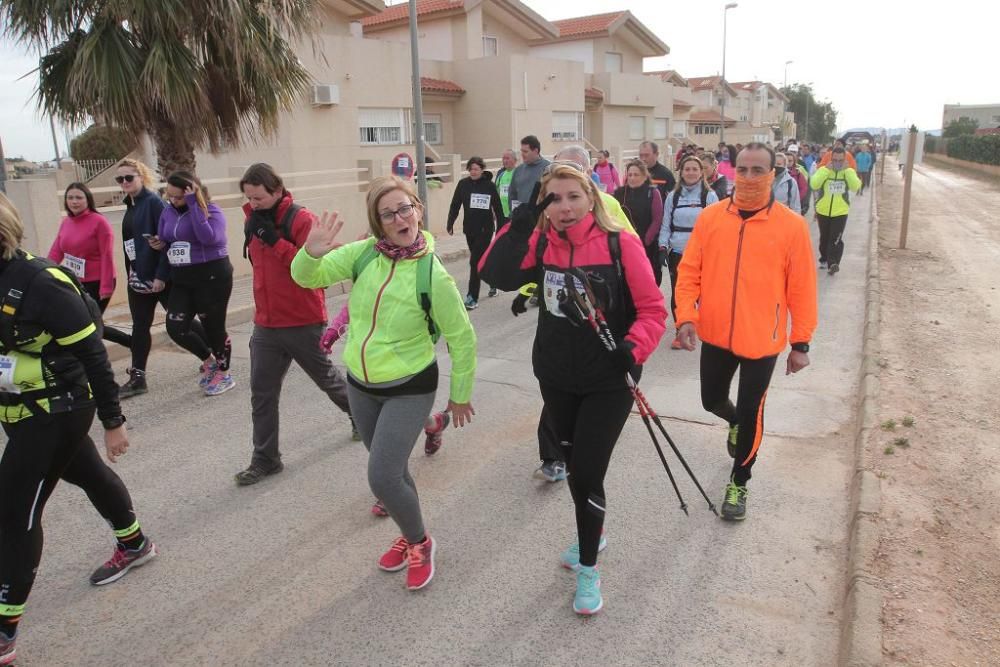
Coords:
pixel 145 173
pixel 564 172
pixel 11 228
pixel 379 188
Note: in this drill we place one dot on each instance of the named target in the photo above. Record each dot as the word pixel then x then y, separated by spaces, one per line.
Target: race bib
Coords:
pixel 179 253
pixel 8 365
pixel 514 204
pixel 76 265
pixel 479 201
pixel 130 250
pixel 554 286
pixel 836 187
pixel 504 189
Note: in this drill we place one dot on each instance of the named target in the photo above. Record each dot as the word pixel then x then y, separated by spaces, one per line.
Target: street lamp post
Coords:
pixel 722 114
pixel 787 63
pixel 784 108
pixel 418 107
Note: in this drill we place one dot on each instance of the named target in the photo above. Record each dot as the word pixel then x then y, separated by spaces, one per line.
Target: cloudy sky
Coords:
pixel 881 62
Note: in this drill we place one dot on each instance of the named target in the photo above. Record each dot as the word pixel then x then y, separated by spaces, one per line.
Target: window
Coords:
pixel 567 125
pixel 612 62
pixel 660 128
pixel 432 128
pixel 382 127
pixel 706 129
pixel 636 128
pixel 491 46
pixel 680 129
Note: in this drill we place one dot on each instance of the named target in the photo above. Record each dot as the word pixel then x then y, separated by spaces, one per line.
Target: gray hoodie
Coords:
pixel 523 181
pixel 786 191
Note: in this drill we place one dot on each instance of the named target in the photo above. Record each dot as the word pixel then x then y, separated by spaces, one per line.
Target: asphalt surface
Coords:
pixel 283 573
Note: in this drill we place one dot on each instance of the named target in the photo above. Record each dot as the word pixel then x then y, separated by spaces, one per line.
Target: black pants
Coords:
pixel 673 261
pixel 478 242
pixel 718 366
pixel 549 447
pixel 831 238
pixel 40 451
pixel 653 255
pixel 110 333
pixel 143 307
pixel 202 290
pixel 592 423
pixel 866 180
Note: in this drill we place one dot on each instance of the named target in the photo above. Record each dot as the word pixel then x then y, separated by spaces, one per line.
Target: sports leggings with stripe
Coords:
pixel 42 450
pixel 718 366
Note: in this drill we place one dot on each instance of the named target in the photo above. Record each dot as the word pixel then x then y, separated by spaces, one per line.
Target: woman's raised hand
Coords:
pixel 323 235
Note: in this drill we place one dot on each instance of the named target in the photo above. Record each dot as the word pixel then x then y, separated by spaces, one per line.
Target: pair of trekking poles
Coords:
pixel 573 305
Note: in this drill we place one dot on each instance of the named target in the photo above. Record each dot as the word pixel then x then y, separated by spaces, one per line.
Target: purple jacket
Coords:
pixel 192 237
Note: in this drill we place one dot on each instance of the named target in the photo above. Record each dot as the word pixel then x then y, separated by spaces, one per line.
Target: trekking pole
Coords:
pixel 659 450
pixel 600 325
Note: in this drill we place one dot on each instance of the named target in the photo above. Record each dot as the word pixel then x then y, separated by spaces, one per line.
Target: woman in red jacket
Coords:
pixel 582 383
pixel 85 245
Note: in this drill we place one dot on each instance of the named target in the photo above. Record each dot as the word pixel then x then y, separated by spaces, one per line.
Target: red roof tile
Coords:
pixel 429 85
pixel 587 25
pixel 708 117
pixel 703 82
pixel 402 11
pixel 593 94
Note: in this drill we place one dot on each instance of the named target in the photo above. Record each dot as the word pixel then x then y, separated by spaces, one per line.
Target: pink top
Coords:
pixel 85 244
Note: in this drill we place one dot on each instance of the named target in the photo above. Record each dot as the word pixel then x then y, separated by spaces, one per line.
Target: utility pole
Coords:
pixel 722 114
pixel 3 169
pixel 55 142
pixel 418 110
pixel 911 150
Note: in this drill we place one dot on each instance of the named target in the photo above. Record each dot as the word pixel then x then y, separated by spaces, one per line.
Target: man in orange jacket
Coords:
pixel 748 266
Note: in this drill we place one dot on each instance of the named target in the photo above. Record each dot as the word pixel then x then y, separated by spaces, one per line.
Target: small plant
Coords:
pixel 920 552
pixel 908 421
pixel 901 442
pixel 889 425
pixel 888 450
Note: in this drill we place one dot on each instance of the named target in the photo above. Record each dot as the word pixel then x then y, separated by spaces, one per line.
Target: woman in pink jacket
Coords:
pixel 85 245
pixel 605 170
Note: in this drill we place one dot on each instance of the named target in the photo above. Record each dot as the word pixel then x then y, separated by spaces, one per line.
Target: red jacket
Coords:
pixel 279 300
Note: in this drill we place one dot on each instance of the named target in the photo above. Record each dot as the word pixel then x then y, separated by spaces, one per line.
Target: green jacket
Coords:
pixel 834 184
pixel 387 338
pixel 503 187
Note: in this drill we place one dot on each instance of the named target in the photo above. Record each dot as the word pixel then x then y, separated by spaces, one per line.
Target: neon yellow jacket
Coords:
pixel 834 185
pixel 387 338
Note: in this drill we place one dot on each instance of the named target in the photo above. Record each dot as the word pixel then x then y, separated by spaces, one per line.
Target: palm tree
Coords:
pixel 199 74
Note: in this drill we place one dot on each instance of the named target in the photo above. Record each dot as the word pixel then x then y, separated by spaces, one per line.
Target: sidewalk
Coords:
pixel 241 306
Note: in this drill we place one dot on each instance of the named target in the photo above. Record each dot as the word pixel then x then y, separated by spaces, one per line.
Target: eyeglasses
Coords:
pixel 128 178
pixel 405 212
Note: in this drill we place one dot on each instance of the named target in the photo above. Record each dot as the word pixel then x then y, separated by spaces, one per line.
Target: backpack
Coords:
pixel 15 280
pixel 674 207
pixel 425 269
pixel 285 228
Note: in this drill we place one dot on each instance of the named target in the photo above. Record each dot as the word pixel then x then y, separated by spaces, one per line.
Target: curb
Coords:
pixel 244 313
pixel 861 627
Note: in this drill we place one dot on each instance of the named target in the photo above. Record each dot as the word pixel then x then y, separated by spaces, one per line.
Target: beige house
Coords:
pixel 683 103
pixel 764 107
pixel 987 115
pixel 755 111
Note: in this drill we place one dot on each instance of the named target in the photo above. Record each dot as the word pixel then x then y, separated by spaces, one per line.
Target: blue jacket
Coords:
pixel 145 213
pixel 864 160
pixel 678 223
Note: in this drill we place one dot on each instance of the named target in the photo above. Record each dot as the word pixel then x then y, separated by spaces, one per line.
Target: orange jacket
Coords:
pixel 851 162
pixel 739 280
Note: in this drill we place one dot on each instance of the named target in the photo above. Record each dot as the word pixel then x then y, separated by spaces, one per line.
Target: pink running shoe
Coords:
pixel 435 436
pixel 420 563
pixel 394 559
pixel 378 509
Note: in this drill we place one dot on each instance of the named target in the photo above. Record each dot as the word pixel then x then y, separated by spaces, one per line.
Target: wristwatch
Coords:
pixel 800 347
pixel 113 422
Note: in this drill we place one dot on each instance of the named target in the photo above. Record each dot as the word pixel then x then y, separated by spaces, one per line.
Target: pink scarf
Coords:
pixel 394 252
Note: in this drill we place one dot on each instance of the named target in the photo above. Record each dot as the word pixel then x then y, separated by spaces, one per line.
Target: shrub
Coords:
pixel 100 142
pixel 981 149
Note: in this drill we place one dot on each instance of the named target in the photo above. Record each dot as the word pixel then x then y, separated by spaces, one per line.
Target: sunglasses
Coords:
pixel 125 179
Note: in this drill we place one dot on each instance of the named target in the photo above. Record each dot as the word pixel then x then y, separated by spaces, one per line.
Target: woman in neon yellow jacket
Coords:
pixel 835 180
pixel 402 297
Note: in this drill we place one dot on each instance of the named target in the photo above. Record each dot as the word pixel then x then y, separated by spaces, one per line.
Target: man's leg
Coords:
pixel 824 237
pixel 269 363
pixel 835 250
pixel 303 344
pixel 718 366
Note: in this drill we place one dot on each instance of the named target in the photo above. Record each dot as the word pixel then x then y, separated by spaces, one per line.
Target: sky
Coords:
pixel 882 63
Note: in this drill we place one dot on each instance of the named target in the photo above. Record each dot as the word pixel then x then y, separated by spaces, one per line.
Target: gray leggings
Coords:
pixel 389 426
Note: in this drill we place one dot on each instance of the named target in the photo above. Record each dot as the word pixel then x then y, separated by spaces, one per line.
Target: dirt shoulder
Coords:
pixel 940 363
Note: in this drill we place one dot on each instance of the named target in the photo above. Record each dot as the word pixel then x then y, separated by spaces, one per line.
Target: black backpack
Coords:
pixel 15 281
pixel 284 228
pixel 673 208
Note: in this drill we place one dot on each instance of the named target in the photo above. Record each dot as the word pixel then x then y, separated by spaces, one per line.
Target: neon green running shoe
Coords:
pixel 734 507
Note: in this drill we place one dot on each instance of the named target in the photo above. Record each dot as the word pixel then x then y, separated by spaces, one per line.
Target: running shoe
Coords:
pixel 588 600
pixel 552 471
pixel 8 653
pixel 731 440
pixel 435 438
pixel 822 265
pixel 355 433
pixel 394 559
pixel 255 472
pixel 420 564
pixel 378 509
pixel 135 385
pixel 220 383
pixel 122 561
pixel 834 268
pixel 493 292
pixel 207 370
pixel 676 344
pixel 570 559
pixel 734 507
pixel 533 301
pixel 470 303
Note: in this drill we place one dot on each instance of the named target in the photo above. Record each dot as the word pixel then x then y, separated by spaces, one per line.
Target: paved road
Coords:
pixel 284 572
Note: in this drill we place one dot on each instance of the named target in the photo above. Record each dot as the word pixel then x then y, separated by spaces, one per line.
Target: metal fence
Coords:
pixel 88 169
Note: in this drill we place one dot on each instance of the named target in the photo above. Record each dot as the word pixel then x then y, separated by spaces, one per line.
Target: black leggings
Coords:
pixel 831 237
pixel 42 450
pixel 143 308
pixel 653 255
pixel 673 261
pixel 202 290
pixel 478 244
pixel 592 424
pixel 110 333
pixel 718 366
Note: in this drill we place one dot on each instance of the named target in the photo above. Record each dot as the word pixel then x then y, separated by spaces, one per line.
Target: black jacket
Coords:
pixel 663 179
pixel 480 203
pixel 142 216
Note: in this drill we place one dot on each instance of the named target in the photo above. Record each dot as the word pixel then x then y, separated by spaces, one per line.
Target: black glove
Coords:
pixel 451 228
pixel 622 356
pixel 665 257
pixel 519 305
pixel 524 218
pixel 262 227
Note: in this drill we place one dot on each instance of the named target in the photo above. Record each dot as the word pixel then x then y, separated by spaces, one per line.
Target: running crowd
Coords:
pixel 580 240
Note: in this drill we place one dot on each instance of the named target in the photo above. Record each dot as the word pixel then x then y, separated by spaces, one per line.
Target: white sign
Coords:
pixel 179 253
pixel 130 250
pixel 8 366
pixel 479 201
pixel 76 265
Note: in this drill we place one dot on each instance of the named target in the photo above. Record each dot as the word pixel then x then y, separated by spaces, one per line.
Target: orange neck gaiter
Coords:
pixel 753 194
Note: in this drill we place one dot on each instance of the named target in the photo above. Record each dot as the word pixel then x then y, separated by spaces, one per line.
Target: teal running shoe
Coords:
pixel 570 559
pixel 588 600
